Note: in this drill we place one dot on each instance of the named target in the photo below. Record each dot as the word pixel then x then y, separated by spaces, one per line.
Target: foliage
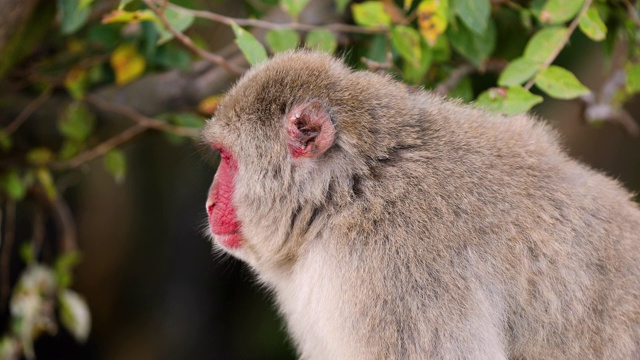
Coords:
pixel 442 45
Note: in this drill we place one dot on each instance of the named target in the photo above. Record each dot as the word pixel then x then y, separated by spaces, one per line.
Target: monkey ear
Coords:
pixel 310 131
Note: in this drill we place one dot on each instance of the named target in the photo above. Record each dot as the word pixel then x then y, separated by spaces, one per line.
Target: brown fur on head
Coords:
pixel 393 224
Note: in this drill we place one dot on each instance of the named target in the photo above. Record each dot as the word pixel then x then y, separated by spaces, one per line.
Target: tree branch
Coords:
pixel 337 27
pixel 27 111
pixel 186 41
pixel 572 27
pixel 7 246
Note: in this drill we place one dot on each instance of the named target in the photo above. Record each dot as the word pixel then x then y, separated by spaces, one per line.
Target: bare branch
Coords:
pixel 140 119
pixel 7 246
pixel 100 149
pixel 186 41
pixel 27 111
pixel 632 12
pixel 337 27
pixel 67 234
pixel 599 107
pixel 572 27
pixel 454 79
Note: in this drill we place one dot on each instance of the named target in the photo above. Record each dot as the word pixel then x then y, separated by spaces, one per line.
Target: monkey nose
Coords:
pixel 210 205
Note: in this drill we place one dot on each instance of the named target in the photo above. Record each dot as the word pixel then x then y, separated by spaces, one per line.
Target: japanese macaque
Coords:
pixel 393 224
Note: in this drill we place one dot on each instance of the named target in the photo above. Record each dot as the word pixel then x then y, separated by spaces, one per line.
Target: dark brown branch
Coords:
pixel 572 27
pixel 7 246
pixel 38 233
pixel 337 27
pixel 186 41
pixel 140 119
pixel 100 149
pixel 632 12
pixel 67 234
pixel 454 79
pixel 27 111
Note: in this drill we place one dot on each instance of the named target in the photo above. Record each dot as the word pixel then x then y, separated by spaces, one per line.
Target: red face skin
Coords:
pixel 223 220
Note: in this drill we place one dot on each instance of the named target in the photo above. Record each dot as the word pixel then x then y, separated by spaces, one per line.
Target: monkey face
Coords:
pixel 271 130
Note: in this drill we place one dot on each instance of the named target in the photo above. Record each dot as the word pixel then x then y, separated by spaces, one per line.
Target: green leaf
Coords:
pixel 518 71
pixel 560 83
pixel 39 156
pixel 123 3
pixel 463 90
pixel 76 121
pixel 179 21
pixel 556 11
pixel 519 100
pixel 116 164
pixel 474 47
pixel 73 15
pixel 26 253
pixel 172 57
pixel 74 314
pixel 76 82
pixel 509 101
pixel 474 13
pixel 250 47
pixel 63 267
pixel 371 14
pixel 293 7
pixel 5 141
pixel 592 25
pixel 13 185
pixel 415 74
pixel 10 348
pixel 282 40
pixel 69 149
pixel 542 45
pixel 46 180
pixel 407 41
pixel 85 3
pixel 341 5
pixel 492 99
pixel 633 77
pixel 321 40
pixel 189 120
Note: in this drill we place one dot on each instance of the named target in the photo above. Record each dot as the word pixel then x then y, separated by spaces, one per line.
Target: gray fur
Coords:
pixel 430 229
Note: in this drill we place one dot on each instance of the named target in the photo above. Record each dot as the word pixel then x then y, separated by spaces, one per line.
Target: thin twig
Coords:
pixel 140 119
pixel 337 27
pixel 27 111
pixel 572 27
pixel 37 235
pixel 632 12
pixel 67 234
pixel 599 107
pixel 7 245
pixel 100 149
pixel 142 123
pixel 186 41
pixel 454 79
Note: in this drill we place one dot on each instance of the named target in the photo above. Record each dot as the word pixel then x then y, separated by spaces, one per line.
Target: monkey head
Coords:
pixel 283 139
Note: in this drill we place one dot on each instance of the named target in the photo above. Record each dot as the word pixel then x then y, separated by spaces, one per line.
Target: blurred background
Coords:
pixel 104 178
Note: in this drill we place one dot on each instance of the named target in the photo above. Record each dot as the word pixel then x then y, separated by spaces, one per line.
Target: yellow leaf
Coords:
pixel 432 19
pixel 127 63
pixel 129 16
pixel 209 104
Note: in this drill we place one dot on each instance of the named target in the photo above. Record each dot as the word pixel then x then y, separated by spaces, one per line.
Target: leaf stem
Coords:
pixel 572 27
pixel 186 41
